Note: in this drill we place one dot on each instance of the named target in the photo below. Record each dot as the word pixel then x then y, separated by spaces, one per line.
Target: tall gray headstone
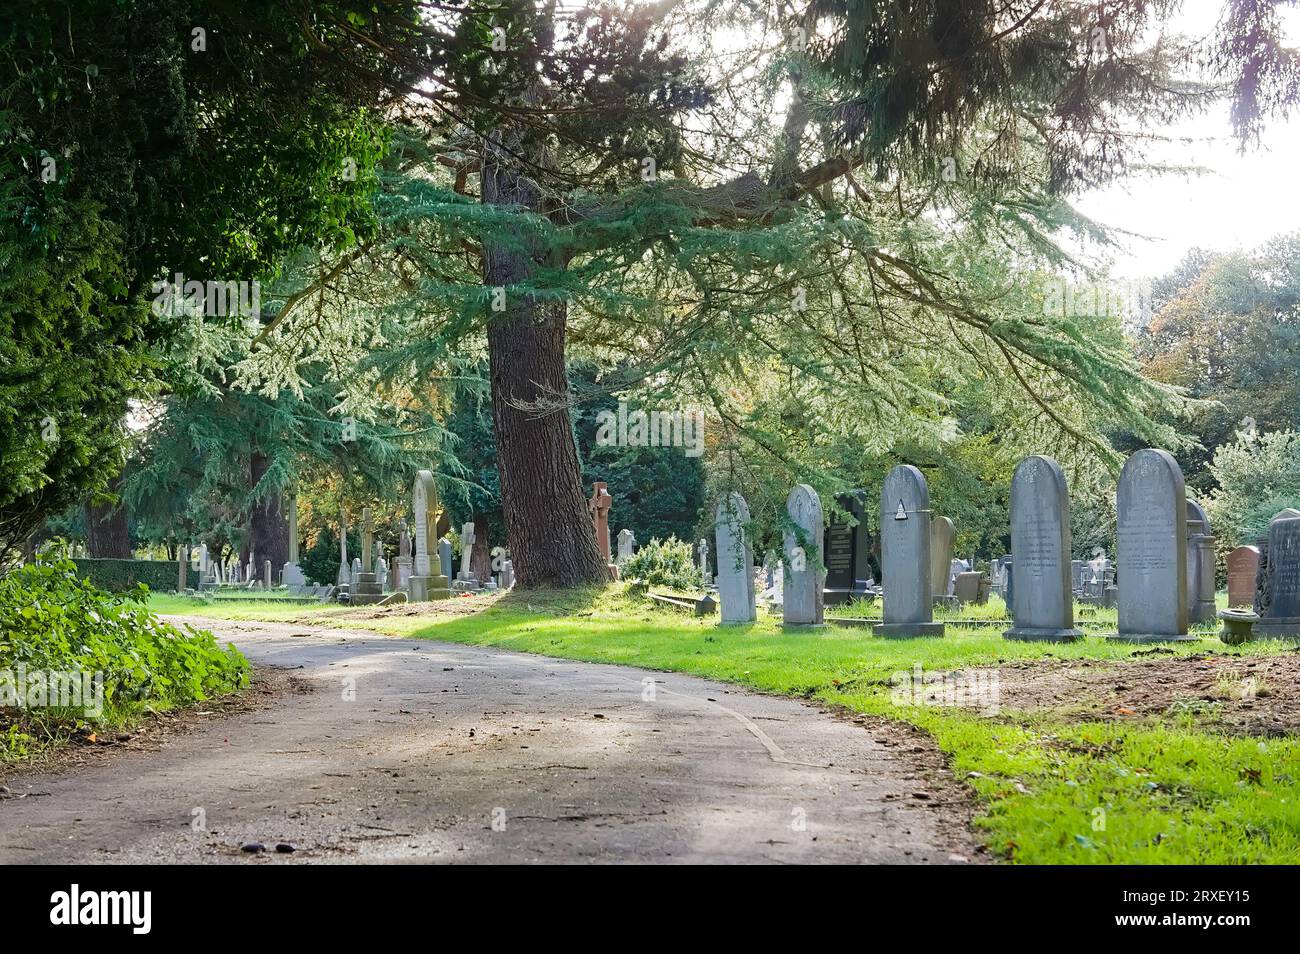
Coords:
pixel 942 532
pixel 1151 516
pixel 444 556
pixel 1200 565
pixel 735 561
pixel 1043 598
pixel 905 556
pixel 803 588
pixel 626 542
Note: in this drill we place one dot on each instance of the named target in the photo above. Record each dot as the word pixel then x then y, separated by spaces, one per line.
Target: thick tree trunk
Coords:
pixel 270 523
pixel 547 526
pixel 480 559
pixel 106 531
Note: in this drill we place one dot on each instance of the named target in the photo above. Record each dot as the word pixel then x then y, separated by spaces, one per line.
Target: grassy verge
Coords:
pixel 1165 788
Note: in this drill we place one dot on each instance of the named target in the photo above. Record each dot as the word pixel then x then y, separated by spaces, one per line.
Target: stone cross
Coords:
pixel 598 506
pixel 905 556
pixel 1043 601
pixel 735 561
pixel 1151 522
pixel 626 541
pixel 466 551
pixel 803 598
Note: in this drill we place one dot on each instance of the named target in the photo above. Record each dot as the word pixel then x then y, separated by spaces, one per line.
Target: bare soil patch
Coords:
pixel 1246 695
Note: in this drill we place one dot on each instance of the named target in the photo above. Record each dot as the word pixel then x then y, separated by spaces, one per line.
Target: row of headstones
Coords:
pixel 1165 557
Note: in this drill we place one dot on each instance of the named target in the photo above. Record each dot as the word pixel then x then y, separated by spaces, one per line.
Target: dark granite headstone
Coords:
pixel 1282 617
pixel 847 549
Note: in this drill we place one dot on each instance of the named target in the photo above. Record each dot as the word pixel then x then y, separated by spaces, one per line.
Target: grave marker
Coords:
pixel 735 561
pixel 905 556
pixel 1151 509
pixel 802 592
pixel 1043 597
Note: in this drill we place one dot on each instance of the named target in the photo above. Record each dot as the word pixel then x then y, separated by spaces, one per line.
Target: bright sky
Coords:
pixel 1245 200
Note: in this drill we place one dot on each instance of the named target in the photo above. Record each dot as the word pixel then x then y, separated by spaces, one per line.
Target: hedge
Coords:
pixel 118 576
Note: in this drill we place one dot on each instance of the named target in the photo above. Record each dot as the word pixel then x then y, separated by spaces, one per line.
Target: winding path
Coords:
pixel 409 751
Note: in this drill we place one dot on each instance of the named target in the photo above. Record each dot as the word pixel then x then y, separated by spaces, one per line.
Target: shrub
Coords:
pixel 663 563
pixel 121 576
pixel 52 621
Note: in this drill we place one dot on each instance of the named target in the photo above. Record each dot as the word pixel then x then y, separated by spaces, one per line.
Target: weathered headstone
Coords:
pixel 1200 565
pixel 702 550
pixel 466 575
pixel 1281 614
pixel 598 506
pixel 507 574
pixel 1040 546
pixel 344 577
pixel 966 586
pixel 423 583
pixel 941 535
pixel 1151 511
pixel 803 590
pixel 626 542
pixel 444 556
pixel 735 561
pixel 846 549
pixel 1242 564
pixel 905 556
pixel 1264 573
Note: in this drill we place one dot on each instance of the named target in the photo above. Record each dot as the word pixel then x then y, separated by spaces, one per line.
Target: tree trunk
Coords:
pixel 107 536
pixel 270 523
pixel 545 507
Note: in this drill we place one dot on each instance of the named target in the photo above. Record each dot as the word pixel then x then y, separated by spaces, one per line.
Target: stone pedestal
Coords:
pixel 366 588
pixel 425 588
pixel 405 568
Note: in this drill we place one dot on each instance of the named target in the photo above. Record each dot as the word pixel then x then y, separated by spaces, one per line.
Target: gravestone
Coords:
pixel 1076 575
pixel 344 577
pixel 1200 565
pixel 507 574
pixel 367 541
pixel 266 574
pixel 1264 575
pixel 466 575
pixel 1242 564
pixel 702 549
pixel 598 506
pixel 423 583
pixel 1281 612
pixel 941 534
pixel 626 541
pixel 403 564
pixel 1043 599
pixel 905 556
pixel 802 598
pixel 966 586
pixel 1151 512
pixel 444 556
pixel 292 574
pixel 735 561
pixel 846 549
pixel 354 587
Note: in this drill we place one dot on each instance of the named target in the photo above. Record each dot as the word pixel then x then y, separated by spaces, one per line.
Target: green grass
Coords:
pixel 1166 790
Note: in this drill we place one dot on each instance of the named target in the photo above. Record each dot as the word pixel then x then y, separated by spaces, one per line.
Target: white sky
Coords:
pixel 1245 200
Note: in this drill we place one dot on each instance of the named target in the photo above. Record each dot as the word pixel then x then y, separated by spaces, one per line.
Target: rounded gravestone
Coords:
pixel 803 598
pixel 1043 598
pixel 735 561
pixel 905 555
pixel 1151 517
pixel 942 532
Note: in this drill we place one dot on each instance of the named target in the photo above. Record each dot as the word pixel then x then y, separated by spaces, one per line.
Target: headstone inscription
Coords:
pixel 847 548
pixel 802 605
pixel 1151 512
pixel 735 561
pixel 905 556
pixel 1043 598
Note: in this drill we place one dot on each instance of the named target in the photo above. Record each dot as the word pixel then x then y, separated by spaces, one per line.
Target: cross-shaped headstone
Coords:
pixel 598 506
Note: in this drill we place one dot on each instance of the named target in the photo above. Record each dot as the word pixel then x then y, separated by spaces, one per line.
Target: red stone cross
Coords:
pixel 598 506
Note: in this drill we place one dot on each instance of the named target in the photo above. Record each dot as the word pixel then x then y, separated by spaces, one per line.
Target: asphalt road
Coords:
pixel 401 750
